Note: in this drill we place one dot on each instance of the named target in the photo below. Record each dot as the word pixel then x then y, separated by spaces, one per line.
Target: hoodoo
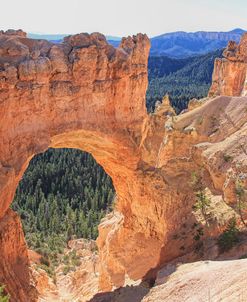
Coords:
pixel 230 73
pixel 85 94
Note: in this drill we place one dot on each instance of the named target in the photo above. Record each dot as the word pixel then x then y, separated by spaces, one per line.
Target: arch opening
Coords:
pixel 61 199
pixel 63 194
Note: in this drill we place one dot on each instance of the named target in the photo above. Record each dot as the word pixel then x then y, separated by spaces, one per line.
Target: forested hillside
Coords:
pixel 182 79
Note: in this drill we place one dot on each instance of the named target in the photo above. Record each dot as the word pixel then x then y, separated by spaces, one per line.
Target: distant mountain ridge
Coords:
pixel 59 37
pixel 184 44
pixel 178 44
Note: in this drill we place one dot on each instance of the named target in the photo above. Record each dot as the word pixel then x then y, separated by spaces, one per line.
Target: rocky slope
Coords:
pixel 79 284
pixel 87 95
pixel 203 281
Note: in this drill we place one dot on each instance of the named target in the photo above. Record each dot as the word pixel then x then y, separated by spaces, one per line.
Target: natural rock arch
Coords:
pixel 87 95
pixel 82 93
pixel 53 95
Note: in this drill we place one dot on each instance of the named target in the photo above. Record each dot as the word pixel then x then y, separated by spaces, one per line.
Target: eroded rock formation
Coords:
pixel 81 94
pixel 87 95
pixel 230 73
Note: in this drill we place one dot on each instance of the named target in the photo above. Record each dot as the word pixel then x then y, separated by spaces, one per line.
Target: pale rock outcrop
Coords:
pixel 203 281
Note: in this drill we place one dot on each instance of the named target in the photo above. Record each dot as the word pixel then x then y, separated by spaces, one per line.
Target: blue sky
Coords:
pixel 125 17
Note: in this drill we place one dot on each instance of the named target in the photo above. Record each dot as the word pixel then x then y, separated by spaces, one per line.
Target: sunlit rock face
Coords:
pixel 230 73
pixel 87 95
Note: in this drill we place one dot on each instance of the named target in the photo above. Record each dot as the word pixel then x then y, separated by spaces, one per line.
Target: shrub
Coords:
pixel 202 200
pixel 66 269
pixel 3 296
pixel 199 234
pixel 227 158
pixel 76 262
pixel 45 261
pixel 229 237
pixel 66 259
pixel 241 200
pixel 243 256
pixel 47 269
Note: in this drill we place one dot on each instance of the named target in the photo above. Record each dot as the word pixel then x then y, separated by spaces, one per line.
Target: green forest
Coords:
pixel 181 79
pixel 65 193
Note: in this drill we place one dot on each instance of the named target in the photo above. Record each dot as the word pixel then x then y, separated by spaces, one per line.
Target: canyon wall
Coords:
pixel 85 94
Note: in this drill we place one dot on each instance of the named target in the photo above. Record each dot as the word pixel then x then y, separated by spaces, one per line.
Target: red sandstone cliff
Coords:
pixel 87 95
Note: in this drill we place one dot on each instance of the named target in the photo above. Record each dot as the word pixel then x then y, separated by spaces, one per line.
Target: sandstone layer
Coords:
pixel 230 73
pixel 85 94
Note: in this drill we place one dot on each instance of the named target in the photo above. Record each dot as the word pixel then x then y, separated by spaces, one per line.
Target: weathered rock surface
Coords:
pixel 87 95
pixel 203 281
pixel 230 73
pixel 193 282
